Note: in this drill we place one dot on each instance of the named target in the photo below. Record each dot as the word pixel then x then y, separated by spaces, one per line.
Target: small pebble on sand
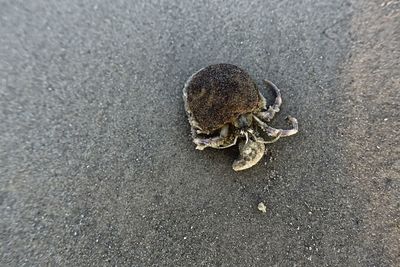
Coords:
pixel 261 207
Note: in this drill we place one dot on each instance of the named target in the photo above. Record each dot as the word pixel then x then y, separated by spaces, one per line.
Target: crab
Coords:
pixel 225 108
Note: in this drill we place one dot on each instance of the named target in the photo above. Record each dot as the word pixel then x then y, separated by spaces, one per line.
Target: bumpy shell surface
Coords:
pixel 218 94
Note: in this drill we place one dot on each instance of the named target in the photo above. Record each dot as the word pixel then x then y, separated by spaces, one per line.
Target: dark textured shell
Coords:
pixel 218 94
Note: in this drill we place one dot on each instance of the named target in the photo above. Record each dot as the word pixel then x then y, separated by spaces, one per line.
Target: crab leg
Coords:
pixel 224 140
pixel 215 142
pixel 261 140
pixel 279 132
pixel 271 110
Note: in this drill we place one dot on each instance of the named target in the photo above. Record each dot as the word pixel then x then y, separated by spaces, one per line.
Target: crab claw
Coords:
pixel 250 153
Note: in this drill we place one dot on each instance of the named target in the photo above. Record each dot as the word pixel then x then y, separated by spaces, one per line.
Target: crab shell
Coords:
pixel 217 95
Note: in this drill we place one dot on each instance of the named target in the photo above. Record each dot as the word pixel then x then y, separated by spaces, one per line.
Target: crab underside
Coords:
pixel 225 108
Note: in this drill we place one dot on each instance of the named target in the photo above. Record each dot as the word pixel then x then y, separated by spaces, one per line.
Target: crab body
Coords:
pixel 219 94
pixel 224 105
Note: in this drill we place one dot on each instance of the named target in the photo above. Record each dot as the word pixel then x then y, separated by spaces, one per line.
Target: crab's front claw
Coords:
pixel 250 153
